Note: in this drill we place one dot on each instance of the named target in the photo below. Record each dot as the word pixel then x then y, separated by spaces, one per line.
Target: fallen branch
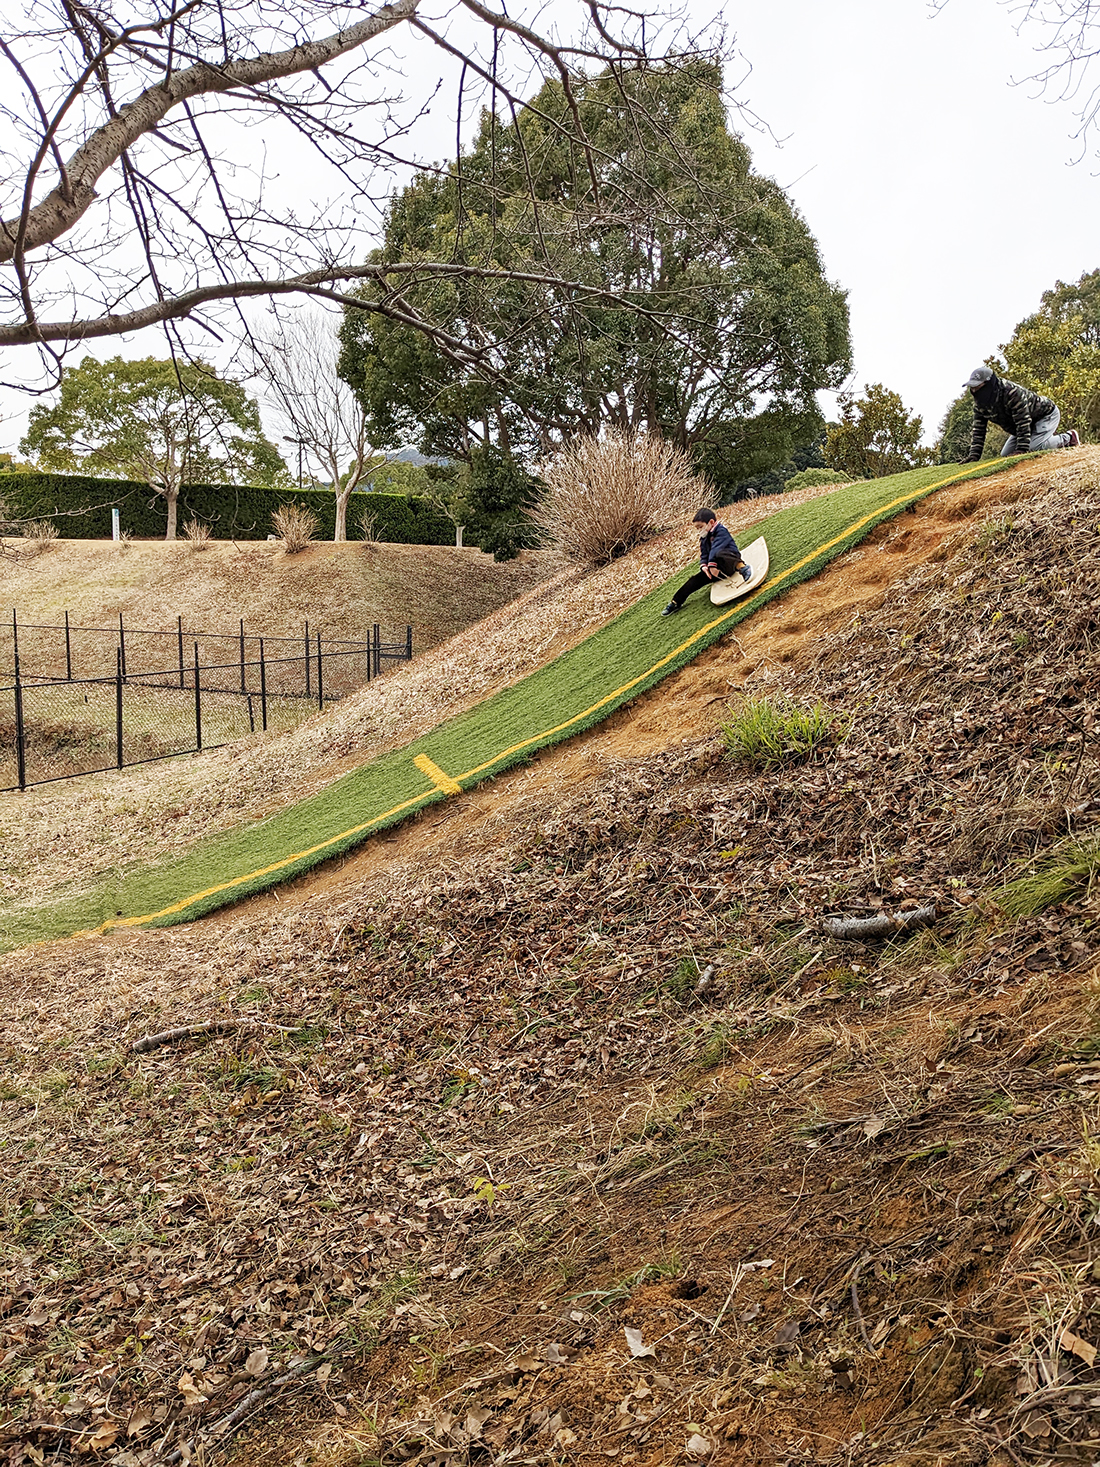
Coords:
pixel 858 929
pixel 223 1427
pixel 187 1031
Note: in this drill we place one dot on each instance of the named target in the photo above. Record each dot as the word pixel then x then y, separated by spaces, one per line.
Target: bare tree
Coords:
pixel 136 190
pixel 1066 33
pixel 296 361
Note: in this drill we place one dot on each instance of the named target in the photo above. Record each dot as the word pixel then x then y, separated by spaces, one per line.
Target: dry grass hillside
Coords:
pixel 340 589
pixel 556 1129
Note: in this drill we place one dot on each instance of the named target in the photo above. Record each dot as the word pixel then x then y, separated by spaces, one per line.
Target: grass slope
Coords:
pixel 585 685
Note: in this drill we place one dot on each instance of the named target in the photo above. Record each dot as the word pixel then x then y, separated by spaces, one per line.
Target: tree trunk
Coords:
pixel 172 496
pixel 341 531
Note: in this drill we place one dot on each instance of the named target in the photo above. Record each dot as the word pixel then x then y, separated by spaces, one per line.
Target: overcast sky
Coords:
pixel 944 198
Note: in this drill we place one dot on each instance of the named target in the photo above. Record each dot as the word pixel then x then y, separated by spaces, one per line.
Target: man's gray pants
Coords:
pixel 1043 435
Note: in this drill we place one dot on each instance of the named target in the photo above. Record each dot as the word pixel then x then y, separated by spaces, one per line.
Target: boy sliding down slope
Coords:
pixel 718 557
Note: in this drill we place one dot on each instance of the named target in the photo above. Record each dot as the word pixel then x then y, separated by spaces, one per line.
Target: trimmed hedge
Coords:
pixel 80 506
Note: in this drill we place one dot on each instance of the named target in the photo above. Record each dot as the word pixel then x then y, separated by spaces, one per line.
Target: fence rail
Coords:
pixel 55 725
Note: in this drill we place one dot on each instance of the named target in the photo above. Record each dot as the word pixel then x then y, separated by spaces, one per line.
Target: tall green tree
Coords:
pixel 1056 351
pixel 875 436
pixel 703 307
pixel 165 422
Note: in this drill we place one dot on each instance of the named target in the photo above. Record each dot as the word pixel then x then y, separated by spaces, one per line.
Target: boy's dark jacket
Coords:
pixel 1011 407
pixel 717 542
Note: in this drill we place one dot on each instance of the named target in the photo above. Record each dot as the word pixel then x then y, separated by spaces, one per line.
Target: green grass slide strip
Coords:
pixel 578 689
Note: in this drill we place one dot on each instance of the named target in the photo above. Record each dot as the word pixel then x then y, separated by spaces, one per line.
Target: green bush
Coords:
pixel 764 733
pixel 814 478
pixel 80 506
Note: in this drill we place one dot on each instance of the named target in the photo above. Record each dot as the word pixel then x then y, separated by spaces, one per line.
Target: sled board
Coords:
pixel 729 588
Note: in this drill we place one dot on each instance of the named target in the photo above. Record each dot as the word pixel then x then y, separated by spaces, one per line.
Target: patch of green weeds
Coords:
pixel 679 986
pixel 844 979
pixel 1070 870
pixel 457 1085
pixel 597 1300
pixel 717 1044
pixel 309 1036
pixel 765 732
pixel 239 1074
pixel 254 995
pixel 993 535
pixel 709 1153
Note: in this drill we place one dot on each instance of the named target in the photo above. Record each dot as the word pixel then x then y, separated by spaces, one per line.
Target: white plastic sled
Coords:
pixel 729 588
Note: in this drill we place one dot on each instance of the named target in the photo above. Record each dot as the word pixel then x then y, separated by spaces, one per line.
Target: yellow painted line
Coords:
pixel 435 774
pixel 199 896
pixel 449 785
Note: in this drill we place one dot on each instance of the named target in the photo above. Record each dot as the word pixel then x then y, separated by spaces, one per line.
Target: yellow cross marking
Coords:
pixel 435 774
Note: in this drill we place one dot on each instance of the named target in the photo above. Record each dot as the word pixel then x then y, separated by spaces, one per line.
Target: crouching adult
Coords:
pixel 1030 420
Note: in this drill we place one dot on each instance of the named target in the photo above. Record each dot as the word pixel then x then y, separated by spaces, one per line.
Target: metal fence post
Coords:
pixel 308 693
pixel 377 649
pixel 198 701
pixel 320 676
pixel 243 688
pixel 68 652
pixel 122 644
pixel 20 733
pixel 179 640
pixel 15 634
pixel 263 687
pixel 118 707
pixel 408 643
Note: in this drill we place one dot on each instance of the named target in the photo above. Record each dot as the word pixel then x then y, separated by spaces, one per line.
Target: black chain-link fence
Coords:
pixel 90 704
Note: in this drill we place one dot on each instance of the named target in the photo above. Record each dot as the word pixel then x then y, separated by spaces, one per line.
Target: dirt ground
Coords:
pixel 553 1128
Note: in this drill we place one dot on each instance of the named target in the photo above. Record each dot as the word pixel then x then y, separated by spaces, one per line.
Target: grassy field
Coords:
pixel 585 685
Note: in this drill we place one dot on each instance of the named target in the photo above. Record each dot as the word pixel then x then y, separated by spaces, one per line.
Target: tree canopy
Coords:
pixel 705 309
pixel 167 423
pixel 876 436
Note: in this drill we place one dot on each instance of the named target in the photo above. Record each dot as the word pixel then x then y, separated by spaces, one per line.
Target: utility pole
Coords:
pixel 301 442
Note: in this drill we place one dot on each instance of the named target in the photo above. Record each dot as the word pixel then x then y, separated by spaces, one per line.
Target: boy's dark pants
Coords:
pixel 727 564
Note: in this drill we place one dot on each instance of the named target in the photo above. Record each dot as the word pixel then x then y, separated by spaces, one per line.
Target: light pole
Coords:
pixel 301 442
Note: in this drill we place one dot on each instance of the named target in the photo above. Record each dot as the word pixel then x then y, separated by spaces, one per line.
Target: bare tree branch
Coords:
pixel 156 213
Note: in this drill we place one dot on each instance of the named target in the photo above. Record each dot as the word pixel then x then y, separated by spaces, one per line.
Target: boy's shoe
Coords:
pixel 670 609
pixel 1074 438
pixel 746 573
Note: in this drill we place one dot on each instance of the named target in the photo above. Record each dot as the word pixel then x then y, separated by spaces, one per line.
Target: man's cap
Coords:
pixel 979 377
pixel 704 516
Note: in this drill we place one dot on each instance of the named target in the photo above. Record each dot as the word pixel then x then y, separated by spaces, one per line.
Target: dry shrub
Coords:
pixel 197 533
pixel 40 533
pixel 606 495
pixel 368 524
pixel 295 526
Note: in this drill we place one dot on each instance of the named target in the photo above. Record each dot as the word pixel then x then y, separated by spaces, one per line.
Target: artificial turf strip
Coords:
pixel 578 689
